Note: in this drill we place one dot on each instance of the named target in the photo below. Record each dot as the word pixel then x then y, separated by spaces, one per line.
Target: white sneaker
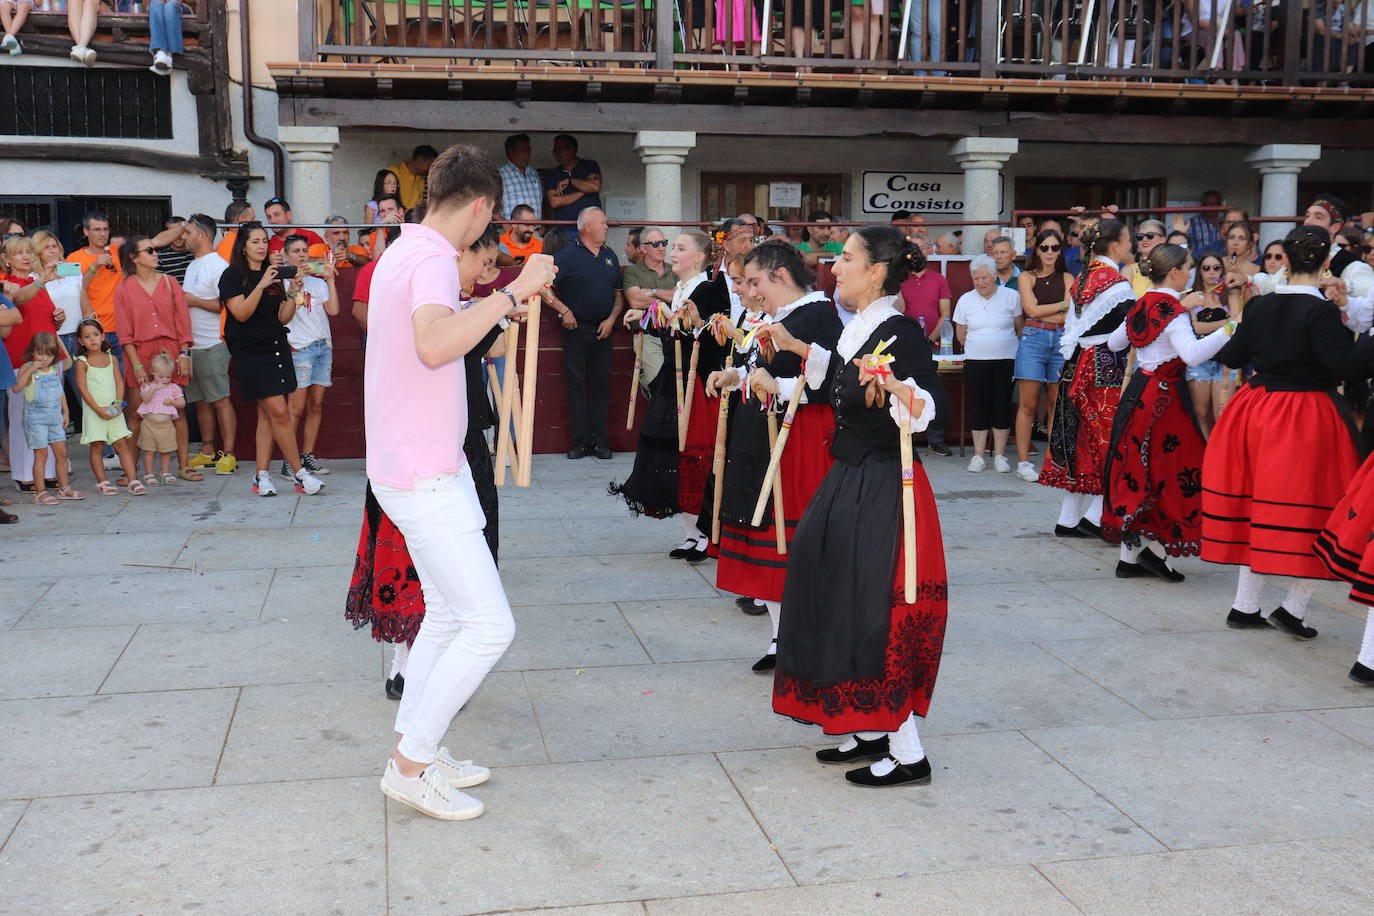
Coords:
pixel 111 463
pixel 308 483
pixel 162 63
pixel 77 53
pixel 262 484
pixel 461 774
pixel 430 794
pixel 1001 464
pixel 976 464
pixel 1027 472
pixel 88 57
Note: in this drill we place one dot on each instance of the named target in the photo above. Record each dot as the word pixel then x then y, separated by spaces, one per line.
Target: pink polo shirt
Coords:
pixel 415 417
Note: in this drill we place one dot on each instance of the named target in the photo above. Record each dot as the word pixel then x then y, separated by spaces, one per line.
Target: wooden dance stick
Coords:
pixel 775 459
pixel 774 445
pixel 634 382
pixel 503 436
pixel 688 391
pixel 718 461
pixel 908 516
pixel 677 387
pixel 525 447
pixel 501 456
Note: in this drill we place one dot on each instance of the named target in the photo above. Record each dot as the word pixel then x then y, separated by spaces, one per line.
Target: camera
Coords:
pixel 286 272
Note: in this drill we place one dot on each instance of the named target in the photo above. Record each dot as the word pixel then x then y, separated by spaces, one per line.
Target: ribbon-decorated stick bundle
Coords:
pixel 525 445
pixel 775 447
pixel 504 402
pixel 506 442
pixel 875 372
pixel 722 329
pixel 681 324
pixel 634 382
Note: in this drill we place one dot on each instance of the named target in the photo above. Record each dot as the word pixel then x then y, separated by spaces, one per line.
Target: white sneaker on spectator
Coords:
pixel 11 44
pixel 1001 464
pixel 461 774
pixel 88 56
pixel 308 483
pixel 430 794
pixel 976 464
pixel 111 463
pixel 1027 472
pixel 77 53
pixel 262 484
pixel 162 63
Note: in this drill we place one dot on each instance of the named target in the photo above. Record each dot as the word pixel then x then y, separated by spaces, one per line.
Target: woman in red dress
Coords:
pixel 1282 454
pixel 853 656
pixel 1090 383
pixel 750 564
pixel 1153 480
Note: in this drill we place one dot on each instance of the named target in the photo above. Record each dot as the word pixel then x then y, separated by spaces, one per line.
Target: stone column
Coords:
pixel 663 152
pixel 982 159
pixel 1279 165
pixel 311 151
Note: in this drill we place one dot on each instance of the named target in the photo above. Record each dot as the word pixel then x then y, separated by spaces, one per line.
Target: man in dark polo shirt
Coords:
pixel 589 283
pixel 573 185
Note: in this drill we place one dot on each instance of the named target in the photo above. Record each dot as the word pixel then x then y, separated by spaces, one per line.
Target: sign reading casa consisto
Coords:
pixel 919 192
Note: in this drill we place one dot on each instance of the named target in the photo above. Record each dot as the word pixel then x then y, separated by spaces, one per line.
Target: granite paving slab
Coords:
pixel 153 596
pixel 69 661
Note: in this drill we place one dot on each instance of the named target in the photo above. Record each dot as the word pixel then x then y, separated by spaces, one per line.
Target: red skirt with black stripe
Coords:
pixel 1276 466
pixel 694 462
pixel 749 562
pixel 1345 544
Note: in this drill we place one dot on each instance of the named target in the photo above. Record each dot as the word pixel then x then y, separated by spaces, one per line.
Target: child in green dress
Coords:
pixel 102 416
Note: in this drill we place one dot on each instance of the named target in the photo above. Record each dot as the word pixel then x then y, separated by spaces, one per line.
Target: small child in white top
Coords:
pixel 161 399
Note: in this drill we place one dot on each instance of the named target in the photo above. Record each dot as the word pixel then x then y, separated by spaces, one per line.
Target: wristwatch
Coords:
pixel 505 290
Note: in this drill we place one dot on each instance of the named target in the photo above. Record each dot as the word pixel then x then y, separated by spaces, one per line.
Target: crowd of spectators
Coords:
pixel 165 29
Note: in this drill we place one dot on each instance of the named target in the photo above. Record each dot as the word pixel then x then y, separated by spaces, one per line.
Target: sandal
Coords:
pixel 169 478
pixel 123 481
pixel 137 488
pixel 44 498
pixel 69 493
pixel 8 519
pixel 105 488
pixel 6 501
pixel 187 474
pixel 150 479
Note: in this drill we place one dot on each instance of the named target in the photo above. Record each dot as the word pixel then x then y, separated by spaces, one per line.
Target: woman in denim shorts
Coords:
pixel 1044 287
pixel 1211 383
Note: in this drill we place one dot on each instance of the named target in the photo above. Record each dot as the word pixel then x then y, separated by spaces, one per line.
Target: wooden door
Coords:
pixel 726 194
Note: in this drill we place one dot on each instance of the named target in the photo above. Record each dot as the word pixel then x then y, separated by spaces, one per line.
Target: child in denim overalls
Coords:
pixel 45 414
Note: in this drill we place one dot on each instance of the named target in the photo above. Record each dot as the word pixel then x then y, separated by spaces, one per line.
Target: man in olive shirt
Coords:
pixel 646 281
pixel 589 283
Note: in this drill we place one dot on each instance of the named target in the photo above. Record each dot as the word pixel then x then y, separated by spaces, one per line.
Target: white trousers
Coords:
pixel 468 623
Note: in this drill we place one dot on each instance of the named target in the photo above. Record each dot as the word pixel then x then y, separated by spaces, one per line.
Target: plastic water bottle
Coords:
pixel 946 340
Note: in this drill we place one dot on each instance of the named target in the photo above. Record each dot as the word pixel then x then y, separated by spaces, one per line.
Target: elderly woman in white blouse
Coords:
pixel 987 322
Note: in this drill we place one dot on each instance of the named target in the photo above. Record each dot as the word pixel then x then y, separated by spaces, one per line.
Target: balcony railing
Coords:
pixel 1272 42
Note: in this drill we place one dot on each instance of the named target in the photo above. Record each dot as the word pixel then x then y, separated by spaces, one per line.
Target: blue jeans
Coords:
pixel 1037 355
pixel 164 22
pixel 925 14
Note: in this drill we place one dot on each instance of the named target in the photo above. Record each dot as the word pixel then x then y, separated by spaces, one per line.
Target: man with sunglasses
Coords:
pixel 1352 283
pixel 649 279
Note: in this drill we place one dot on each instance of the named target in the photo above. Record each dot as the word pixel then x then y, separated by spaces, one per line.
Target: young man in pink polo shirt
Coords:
pixel 416 418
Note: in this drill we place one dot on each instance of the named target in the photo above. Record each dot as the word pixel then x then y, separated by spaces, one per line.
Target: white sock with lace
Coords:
pixel 904 746
pixel 1366 657
pixel 398 659
pixel 853 740
pixel 1249 585
pixel 1129 554
pixel 1094 513
pixel 775 615
pixel 1071 509
pixel 1299 593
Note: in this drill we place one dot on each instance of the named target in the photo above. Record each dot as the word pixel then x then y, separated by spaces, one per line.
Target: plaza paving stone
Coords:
pixel 191 726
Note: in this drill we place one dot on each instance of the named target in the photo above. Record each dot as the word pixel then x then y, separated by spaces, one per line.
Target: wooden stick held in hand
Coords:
pixel 688 390
pixel 718 461
pixel 779 522
pixel 677 386
pixel 634 382
pixel 777 442
pixel 501 455
pixel 908 516
pixel 526 444
pixel 503 432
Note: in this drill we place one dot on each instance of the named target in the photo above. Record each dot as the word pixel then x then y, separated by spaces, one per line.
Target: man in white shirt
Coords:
pixel 208 389
pixel 312 345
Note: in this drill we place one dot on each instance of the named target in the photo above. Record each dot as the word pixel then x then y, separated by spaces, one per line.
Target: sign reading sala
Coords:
pixel 919 192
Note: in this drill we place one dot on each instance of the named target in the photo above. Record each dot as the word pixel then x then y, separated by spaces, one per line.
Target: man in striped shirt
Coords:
pixel 520 184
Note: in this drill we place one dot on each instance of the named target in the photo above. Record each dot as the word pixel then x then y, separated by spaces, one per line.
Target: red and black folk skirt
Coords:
pixel 749 562
pixel 1089 389
pixel 1276 466
pixel 694 461
pixel 1153 476
pixel 1346 544
pixel 852 655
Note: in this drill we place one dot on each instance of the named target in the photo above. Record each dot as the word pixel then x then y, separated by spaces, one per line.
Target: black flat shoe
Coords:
pixel 7 518
pixel 1126 570
pixel 866 750
pixel 395 687
pixel 767 663
pixel 680 553
pixel 754 610
pixel 1090 530
pixel 906 774
pixel 1362 675
pixel 576 452
pixel 743 603
pixel 942 450
pixel 1062 531
pixel 603 452
pixel 1239 620
pixel 1282 620
pixel 1151 563
pixel 695 555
